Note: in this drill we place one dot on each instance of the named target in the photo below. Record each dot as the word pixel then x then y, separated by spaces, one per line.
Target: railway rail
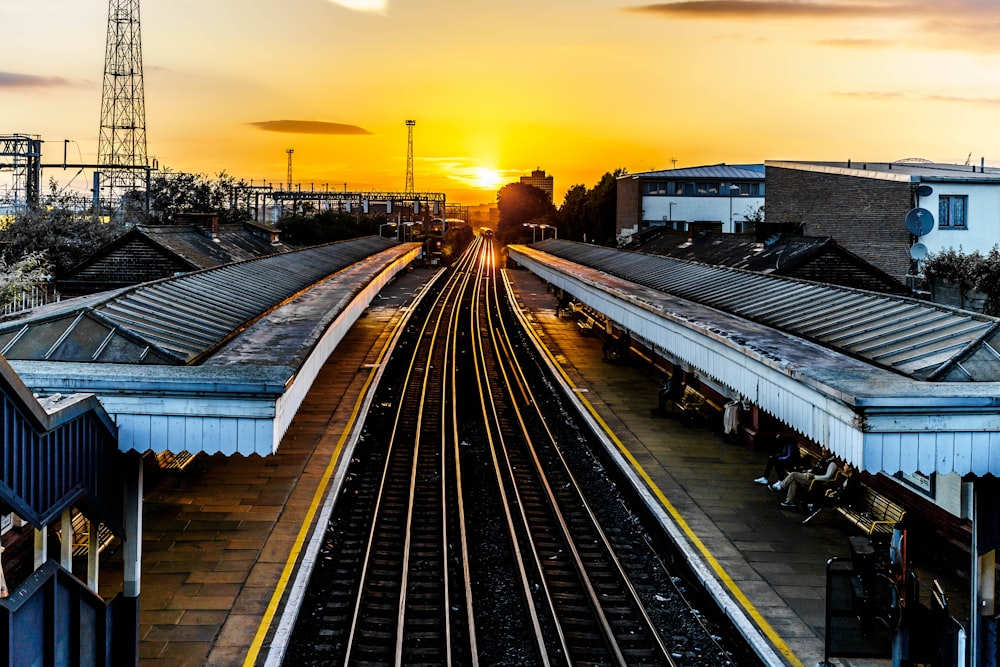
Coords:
pixel 461 535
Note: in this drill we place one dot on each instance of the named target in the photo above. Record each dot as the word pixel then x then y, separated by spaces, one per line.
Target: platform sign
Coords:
pixel 6 522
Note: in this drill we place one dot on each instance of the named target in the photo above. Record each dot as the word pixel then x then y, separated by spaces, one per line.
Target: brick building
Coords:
pixel 864 205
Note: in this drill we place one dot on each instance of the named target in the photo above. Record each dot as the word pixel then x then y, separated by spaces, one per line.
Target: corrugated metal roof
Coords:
pixel 721 171
pixel 232 243
pixel 923 340
pixel 177 320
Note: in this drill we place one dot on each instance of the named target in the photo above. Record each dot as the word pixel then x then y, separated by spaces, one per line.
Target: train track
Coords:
pixel 461 535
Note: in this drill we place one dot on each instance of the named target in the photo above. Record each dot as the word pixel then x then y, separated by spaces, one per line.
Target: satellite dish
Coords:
pixel 919 221
pixel 925 191
pixel 918 251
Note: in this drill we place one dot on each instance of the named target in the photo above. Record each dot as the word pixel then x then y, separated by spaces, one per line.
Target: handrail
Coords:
pixel 57 453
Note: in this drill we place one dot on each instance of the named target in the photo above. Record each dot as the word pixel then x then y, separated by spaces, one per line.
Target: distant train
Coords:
pixel 487 233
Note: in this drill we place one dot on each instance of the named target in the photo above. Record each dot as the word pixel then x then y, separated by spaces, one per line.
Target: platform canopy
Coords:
pixel 212 361
pixel 891 384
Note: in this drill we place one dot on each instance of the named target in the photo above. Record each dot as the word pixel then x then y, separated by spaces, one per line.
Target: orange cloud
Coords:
pixel 949 25
pixel 971 10
pixel 918 97
pixel 14 80
pixel 848 43
pixel 308 127
pixel 748 9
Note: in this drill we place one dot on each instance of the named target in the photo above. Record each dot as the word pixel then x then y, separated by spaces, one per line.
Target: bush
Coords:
pixel 972 271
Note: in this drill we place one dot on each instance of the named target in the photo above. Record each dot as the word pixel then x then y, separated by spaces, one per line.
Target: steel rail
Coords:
pixel 490 414
pixel 409 412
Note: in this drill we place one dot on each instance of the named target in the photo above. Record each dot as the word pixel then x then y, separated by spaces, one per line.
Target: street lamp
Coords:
pixel 388 224
pixel 403 226
pixel 533 228
pixel 555 231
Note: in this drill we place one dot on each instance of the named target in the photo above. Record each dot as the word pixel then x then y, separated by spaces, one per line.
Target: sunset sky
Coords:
pixel 500 88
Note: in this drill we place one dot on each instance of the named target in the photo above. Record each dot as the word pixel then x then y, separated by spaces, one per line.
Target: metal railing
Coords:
pixel 36 296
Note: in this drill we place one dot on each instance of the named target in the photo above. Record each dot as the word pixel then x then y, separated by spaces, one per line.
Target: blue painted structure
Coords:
pixel 58 455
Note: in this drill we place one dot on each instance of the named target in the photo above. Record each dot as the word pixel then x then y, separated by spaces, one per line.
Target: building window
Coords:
pixel 656 188
pixel 952 211
pixel 747 189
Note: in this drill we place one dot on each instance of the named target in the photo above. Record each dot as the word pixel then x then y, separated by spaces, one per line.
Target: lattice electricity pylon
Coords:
pixel 409 155
pixel 121 150
pixel 21 154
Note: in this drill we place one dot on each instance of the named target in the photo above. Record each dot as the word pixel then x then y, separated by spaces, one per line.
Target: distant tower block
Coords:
pixel 540 181
pixel 122 141
pixel 409 155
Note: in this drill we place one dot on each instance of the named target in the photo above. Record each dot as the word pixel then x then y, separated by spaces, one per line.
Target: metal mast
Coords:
pixel 290 151
pixel 409 155
pixel 121 150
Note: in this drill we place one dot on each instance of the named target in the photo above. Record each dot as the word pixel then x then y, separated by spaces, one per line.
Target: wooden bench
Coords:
pixel 586 323
pixel 876 515
pixel 691 402
pixel 81 535
pixel 171 461
pixel 808 459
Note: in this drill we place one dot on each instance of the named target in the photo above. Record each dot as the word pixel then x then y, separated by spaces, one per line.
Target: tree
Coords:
pixel 456 240
pixel 590 215
pixel 520 204
pixel 303 229
pixel 172 192
pixel 60 229
pixel 601 209
pixel 19 277
pixel 573 212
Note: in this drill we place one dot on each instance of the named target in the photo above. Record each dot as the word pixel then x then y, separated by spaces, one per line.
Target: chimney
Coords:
pixel 208 223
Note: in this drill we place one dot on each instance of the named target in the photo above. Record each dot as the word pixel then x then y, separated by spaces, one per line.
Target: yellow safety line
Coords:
pixel 765 627
pixel 286 572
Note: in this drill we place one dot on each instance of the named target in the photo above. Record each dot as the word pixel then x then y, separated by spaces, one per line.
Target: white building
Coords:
pixel 720 197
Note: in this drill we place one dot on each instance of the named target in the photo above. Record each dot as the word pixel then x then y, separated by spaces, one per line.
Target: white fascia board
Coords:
pixel 170 408
pixel 300 384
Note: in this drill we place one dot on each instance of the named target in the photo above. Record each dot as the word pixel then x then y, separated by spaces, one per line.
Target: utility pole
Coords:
pixel 122 143
pixel 409 156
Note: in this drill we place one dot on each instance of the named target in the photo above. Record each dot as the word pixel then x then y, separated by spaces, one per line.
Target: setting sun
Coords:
pixel 488 178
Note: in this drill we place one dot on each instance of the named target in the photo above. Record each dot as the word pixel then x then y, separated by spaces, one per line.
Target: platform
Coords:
pixel 219 537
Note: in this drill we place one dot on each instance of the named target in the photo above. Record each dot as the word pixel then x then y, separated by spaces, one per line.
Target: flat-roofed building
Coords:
pixel 722 197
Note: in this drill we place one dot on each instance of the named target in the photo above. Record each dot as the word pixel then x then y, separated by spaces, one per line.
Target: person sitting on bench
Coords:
pixel 794 482
pixel 671 391
pixel 783 461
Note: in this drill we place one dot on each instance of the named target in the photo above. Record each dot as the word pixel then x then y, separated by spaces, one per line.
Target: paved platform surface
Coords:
pixel 217 536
